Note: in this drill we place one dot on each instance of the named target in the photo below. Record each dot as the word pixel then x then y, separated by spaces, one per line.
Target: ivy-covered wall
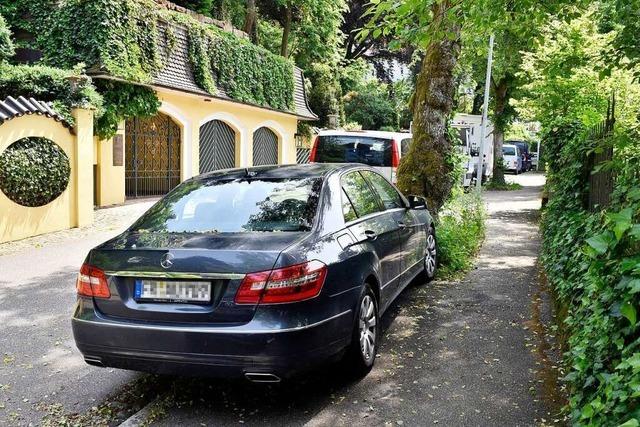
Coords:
pixel 592 261
pixel 122 37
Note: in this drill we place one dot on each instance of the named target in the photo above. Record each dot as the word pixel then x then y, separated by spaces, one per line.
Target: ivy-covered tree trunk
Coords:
pixel 501 100
pixel 286 29
pixel 427 168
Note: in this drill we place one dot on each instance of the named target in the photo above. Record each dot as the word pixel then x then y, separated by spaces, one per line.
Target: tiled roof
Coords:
pixel 11 108
pixel 178 75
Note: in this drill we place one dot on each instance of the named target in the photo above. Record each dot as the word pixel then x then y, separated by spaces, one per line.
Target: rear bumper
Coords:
pixel 225 351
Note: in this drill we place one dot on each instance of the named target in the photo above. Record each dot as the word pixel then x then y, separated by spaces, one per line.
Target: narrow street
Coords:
pixel 474 352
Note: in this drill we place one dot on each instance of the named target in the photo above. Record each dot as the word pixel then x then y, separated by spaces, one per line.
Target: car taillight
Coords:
pixel 92 282
pixel 289 284
pixel 314 149
pixel 395 157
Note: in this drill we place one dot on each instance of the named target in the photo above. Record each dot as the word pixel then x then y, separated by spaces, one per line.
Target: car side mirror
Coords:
pixel 417 202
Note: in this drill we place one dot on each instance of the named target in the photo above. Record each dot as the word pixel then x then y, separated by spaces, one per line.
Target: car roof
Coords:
pixel 510 145
pixel 306 170
pixel 370 133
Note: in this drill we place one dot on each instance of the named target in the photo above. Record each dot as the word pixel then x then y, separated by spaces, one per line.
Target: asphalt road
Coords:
pixel 41 371
pixel 474 352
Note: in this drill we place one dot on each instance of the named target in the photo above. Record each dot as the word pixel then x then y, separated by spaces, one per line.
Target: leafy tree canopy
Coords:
pixel 6 44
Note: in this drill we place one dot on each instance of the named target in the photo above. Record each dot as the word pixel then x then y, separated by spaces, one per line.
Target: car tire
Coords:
pixel 361 353
pixel 431 257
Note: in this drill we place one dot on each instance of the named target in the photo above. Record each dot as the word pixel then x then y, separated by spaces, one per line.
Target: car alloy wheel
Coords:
pixel 367 326
pixel 431 256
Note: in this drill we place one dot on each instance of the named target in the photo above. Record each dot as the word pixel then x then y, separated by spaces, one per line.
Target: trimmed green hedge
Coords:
pixel 34 171
pixel 592 261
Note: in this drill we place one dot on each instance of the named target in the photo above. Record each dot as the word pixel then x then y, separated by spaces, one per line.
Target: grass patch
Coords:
pixel 508 186
pixel 460 230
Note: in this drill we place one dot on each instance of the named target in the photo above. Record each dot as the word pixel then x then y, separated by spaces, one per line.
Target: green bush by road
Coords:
pixel 460 231
pixel 592 261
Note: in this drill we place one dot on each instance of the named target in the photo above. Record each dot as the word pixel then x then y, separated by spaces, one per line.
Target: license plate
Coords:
pixel 172 291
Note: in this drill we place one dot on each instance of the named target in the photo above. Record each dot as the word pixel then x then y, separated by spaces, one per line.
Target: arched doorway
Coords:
pixel 152 155
pixel 265 147
pixel 217 146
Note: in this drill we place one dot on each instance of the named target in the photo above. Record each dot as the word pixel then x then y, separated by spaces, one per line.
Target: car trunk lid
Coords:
pixel 219 259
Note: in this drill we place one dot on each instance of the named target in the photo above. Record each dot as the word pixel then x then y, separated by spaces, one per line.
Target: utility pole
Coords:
pixel 485 109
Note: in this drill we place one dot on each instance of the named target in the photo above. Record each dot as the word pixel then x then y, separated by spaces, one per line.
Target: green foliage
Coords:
pixel 565 74
pixel 402 90
pixel 123 101
pixel 507 186
pixel 592 261
pixel 625 15
pixel 51 85
pixel 205 7
pixel 245 72
pixel 325 93
pixel 33 171
pixel 122 38
pixel 371 106
pixel 460 229
pixel 6 44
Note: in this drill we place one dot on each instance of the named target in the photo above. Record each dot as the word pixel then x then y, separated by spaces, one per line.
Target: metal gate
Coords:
pixel 302 155
pixel 152 156
pixel 217 146
pixel 265 147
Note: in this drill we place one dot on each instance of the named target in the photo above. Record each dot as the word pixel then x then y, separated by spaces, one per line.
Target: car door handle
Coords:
pixel 371 235
pixel 402 225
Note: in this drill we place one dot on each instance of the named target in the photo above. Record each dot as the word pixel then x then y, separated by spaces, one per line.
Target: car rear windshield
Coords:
pixel 232 206
pixel 354 149
pixel 508 151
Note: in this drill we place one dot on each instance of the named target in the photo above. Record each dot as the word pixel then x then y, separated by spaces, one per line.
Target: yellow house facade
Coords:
pixel 191 114
pixel 195 132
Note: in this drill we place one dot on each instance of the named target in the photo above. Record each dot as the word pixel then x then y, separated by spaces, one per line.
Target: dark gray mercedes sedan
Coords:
pixel 260 272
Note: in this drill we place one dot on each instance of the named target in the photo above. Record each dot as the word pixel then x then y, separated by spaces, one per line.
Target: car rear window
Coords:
pixel 354 149
pixel 508 151
pixel 240 205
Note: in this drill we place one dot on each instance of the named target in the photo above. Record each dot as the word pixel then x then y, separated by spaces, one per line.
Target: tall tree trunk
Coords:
pixel 501 100
pixel 427 168
pixel 250 20
pixel 286 29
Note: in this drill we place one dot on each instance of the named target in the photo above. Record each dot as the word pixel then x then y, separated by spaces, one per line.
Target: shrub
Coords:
pixel 370 106
pixel 592 261
pixel 34 171
pixel 460 231
pixel 48 84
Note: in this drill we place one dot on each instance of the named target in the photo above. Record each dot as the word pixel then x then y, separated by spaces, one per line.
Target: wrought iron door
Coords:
pixel 265 147
pixel 217 146
pixel 152 165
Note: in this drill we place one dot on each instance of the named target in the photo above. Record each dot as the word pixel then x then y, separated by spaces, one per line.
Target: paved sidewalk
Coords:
pixel 107 222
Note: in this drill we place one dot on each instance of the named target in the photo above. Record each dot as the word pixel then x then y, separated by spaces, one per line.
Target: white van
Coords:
pixel 512 158
pixel 379 149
